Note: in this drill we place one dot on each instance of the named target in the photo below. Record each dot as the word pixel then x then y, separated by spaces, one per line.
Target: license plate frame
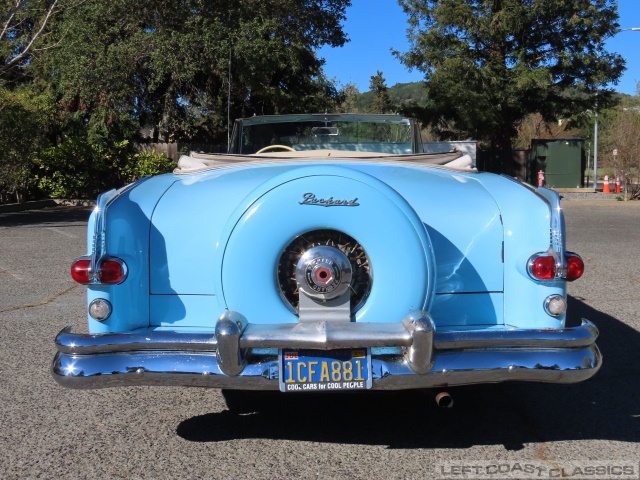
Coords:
pixel 294 365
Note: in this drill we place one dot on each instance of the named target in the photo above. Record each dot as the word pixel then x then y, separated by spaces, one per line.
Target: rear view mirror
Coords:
pixel 324 131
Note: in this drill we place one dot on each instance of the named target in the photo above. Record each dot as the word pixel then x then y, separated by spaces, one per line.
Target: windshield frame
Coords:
pixel 237 139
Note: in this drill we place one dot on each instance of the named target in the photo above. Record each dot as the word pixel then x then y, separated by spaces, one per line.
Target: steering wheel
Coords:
pixel 273 147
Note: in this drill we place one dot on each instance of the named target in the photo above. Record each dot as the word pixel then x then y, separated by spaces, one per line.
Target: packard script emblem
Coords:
pixel 311 199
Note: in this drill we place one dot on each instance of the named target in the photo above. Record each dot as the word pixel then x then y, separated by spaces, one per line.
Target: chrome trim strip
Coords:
pixel 99 244
pixel 390 372
pixel 87 344
pixel 325 335
pixel 557 246
pixel 571 337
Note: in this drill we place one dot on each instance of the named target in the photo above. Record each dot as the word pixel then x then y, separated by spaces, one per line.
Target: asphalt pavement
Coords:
pixel 47 431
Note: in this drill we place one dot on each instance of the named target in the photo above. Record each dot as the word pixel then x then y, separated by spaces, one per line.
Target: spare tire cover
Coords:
pixel 274 214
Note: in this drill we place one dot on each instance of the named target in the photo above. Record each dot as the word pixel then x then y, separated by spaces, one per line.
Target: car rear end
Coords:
pixel 337 275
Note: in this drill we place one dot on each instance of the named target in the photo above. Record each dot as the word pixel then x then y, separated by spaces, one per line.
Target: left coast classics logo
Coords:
pixel 311 199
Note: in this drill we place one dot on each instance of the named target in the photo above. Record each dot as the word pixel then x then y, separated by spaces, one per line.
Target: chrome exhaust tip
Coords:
pixel 444 400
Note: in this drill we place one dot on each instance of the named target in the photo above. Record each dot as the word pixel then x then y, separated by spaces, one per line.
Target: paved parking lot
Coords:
pixel 144 432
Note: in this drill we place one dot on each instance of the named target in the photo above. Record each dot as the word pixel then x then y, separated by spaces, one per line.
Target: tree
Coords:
pixel 381 100
pixel 23 120
pixel 349 95
pixel 23 25
pixel 111 70
pixel 488 64
pixel 173 66
pixel 534 126
pixel 621 132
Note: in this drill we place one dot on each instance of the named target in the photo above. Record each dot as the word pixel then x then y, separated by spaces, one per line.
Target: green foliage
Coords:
pixel 408 92
pixel 381 101
pixel 170 66
pixel 349 96
pixel 23 118
pixel 621 132
pixel 489 64
pixel 79 169
pixel 147 164
pixel 401 95
pixel 177 70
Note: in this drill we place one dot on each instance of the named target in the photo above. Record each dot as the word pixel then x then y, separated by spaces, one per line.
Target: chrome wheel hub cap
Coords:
pixel 323 273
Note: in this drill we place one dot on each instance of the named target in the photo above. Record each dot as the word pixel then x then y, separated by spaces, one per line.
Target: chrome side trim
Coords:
pixel 557 244
pixel 99 245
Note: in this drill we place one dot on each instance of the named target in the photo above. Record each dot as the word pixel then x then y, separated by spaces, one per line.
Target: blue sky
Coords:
pixel 377 26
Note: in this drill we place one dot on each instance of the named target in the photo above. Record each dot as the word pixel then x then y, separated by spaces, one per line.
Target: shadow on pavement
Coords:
pixel 46 217
pixel 607 407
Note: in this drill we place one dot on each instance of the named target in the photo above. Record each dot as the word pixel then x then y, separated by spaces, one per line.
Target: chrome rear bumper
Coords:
pixel 405 355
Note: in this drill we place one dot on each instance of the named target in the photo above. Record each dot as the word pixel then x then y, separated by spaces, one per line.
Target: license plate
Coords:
pixel 325 370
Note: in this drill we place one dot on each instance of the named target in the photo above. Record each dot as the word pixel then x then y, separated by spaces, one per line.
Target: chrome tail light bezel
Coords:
pixel 561 266
pixel 94 276
pixel 557 247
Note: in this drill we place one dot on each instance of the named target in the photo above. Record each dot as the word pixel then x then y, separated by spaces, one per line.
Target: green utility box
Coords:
pixel 561 159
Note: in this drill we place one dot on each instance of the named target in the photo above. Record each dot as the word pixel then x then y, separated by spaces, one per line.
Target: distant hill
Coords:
pixel 399 93
pixel 416 92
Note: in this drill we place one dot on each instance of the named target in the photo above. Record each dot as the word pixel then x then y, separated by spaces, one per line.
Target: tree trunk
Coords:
pixel 501 154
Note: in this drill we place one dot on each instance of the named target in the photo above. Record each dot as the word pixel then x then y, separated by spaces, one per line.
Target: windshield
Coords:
pixel 379 135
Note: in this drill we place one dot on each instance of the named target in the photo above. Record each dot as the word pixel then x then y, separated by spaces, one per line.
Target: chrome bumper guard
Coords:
pixel 241 355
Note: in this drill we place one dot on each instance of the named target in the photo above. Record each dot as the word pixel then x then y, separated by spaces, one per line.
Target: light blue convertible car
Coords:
pixel 326 252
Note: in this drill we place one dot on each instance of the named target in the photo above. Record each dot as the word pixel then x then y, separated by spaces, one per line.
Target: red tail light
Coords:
pixel 111 271
pixel 80 271
pixel 575 267
pixel 542 267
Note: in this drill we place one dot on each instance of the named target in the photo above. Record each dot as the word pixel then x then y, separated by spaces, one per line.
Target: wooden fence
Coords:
pixel 175 150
